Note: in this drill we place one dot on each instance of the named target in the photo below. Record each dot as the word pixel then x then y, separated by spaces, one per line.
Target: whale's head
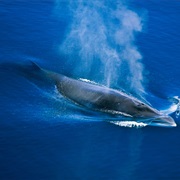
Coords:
pixel 163 121
pixel 137 108
pixel 149 115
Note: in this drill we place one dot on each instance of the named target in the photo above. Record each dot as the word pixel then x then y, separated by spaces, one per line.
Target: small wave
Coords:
pixel 175 107
pixel 170 110
pixel 129 124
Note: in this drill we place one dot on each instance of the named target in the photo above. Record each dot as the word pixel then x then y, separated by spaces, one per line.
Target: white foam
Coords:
pixel 170 110
pixel 175 107
pixel 129 124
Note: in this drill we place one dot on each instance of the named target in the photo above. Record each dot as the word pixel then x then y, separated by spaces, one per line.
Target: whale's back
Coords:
pixel 91 95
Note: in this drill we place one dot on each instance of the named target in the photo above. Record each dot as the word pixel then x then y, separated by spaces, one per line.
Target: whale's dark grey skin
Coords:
pixel 107 100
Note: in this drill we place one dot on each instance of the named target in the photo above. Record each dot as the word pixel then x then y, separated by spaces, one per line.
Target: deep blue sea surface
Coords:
pixel 129 45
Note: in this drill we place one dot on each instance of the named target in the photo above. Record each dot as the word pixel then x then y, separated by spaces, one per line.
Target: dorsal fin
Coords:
pixel 35 66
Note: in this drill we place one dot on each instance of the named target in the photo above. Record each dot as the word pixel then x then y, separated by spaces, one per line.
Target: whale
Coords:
pixel 104 99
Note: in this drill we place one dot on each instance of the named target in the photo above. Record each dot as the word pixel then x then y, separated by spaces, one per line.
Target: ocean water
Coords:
pixel 128 45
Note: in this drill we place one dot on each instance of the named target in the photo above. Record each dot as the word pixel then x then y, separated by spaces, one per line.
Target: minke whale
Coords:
pixel 106 100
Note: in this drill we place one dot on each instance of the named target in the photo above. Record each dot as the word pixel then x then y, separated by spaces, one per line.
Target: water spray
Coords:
pixel 101 41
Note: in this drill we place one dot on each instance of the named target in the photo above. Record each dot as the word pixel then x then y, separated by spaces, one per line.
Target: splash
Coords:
pixel 100 43
pixel 174 108
pixel 130 124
